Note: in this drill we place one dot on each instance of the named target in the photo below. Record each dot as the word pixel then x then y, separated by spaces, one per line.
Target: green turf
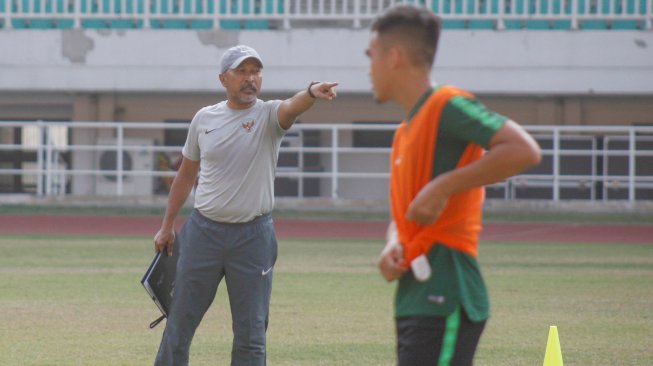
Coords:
pixel 78 301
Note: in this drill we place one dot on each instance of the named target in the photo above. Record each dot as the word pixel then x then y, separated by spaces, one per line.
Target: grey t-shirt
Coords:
pixel 238 151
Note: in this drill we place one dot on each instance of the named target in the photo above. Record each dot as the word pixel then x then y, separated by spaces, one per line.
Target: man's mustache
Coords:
pixel 247 86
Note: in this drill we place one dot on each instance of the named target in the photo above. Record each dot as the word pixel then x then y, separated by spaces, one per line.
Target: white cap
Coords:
pixel 234 56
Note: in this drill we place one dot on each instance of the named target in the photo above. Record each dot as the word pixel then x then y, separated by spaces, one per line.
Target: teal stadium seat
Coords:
pixel 187 13
pixel 41 8
pixel 632 7
pixel 548 8
pixel 514 7
pixel 620 8
pixel 443 7
pixel 538 12
pixel 198 9
pixel 589 7
pixel 260 7
pixel 457 7
pixel 485 7
pixel 451 7
pixel 2 11
pixel 626 25
pixel 188 7
pixel 95 7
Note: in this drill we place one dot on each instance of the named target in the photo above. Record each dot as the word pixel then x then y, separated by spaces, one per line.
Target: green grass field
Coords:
pixel 511 215
pixel 78 301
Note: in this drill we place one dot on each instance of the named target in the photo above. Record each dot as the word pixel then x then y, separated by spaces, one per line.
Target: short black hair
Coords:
pixel 417 26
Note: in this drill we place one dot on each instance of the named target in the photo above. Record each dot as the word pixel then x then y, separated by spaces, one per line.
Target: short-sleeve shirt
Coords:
pixel 456 278
pixel 238 152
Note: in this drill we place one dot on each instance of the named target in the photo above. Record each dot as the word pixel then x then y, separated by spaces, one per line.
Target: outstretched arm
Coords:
pixel 292 107
pixel 511 151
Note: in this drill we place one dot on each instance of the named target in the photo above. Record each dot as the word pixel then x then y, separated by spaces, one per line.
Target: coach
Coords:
pixel 234 146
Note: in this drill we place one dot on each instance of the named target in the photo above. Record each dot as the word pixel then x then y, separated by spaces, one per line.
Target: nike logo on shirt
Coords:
pixel 206 132
pixel 265 272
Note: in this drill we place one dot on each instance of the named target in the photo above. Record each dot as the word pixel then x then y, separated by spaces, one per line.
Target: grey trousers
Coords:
pixel 244 255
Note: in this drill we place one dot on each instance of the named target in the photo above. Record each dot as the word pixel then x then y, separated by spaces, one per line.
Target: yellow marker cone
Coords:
pixel 553 355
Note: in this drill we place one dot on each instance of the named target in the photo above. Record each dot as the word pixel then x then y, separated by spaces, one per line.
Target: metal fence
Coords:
pixel 350 161
pixel 271 14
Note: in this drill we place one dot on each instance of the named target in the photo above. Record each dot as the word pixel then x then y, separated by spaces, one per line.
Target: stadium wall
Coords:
pixel 487 62
pixel 536 77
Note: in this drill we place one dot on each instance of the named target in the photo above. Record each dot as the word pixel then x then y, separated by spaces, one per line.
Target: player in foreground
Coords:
pixel 234 146
pixel 438 170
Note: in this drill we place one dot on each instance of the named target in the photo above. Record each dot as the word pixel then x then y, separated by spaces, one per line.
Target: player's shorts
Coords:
pixel 437 341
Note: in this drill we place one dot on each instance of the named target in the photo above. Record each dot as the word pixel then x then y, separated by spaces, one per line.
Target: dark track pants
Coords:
pixel 244 255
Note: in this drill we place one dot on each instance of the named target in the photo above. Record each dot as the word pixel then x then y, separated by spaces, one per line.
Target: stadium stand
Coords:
pixel 262 14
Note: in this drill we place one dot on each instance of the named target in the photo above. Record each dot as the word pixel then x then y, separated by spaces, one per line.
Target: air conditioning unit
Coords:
pixel 137 156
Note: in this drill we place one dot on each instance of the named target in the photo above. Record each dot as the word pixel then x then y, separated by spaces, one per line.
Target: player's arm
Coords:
pixel 292 107
pixel 179 191
pixel 511 150
pixel 392 257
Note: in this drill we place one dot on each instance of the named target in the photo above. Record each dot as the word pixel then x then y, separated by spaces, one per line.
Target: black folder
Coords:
pixel 159 281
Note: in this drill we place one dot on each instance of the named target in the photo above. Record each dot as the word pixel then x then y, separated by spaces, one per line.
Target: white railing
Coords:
pixel 579 162
pixel 602 162
pixel 270 14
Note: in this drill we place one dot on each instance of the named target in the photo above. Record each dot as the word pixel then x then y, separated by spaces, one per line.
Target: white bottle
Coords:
pixel 421 268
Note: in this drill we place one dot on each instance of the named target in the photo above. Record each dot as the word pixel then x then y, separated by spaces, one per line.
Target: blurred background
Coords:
pixel 96 95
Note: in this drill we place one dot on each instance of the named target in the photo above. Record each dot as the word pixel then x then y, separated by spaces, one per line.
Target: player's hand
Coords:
pixel 164 240
pixel 391 263
pixel 427 206
pixel 324 90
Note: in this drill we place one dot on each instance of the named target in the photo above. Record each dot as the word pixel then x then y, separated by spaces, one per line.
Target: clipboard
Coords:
pixel 159 280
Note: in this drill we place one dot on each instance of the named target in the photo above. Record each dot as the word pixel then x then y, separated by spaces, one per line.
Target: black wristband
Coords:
pixel 310 93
